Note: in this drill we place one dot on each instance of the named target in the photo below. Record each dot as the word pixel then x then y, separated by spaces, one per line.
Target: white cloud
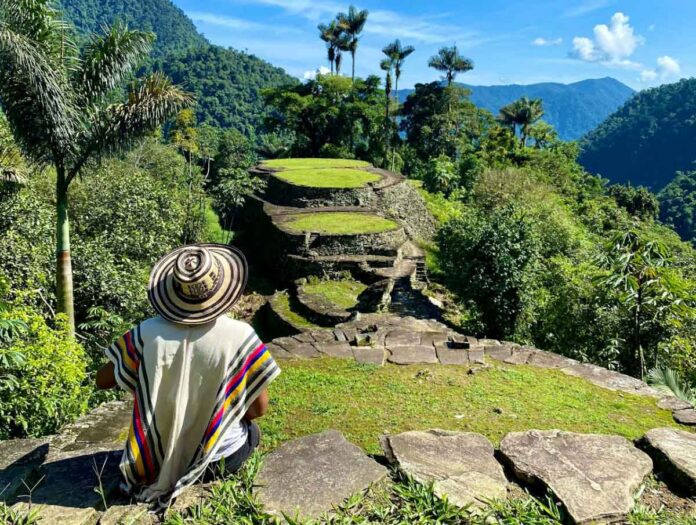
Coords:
pixel 666 68
pixel 612 45
pixel 585 7
pixel 311 75
pixel 541 41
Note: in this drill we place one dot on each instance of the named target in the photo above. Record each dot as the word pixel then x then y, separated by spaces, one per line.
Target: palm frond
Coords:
pixel 34 98
pixel 41 22
pixel 107 59
pixel 151 102
pixel 669 381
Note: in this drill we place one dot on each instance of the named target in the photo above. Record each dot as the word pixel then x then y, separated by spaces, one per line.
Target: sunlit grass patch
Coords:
pixel 281 304
pixel 328 177
pixel 300 163
pixel 364 402
pixel 339 223
pixel 343 293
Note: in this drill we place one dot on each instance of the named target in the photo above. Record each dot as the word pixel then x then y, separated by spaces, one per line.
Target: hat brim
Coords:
pixel 171 305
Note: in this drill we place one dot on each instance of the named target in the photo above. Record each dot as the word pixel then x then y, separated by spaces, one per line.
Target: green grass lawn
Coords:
pixel 343 294
pixel 328 177
pixel 365 401
pixel 293 164
pixel 339 223
pixel 281 304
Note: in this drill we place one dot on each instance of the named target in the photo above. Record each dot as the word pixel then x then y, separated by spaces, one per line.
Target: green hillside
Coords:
pixel 648 140
pixel 227 83
pixel 174 30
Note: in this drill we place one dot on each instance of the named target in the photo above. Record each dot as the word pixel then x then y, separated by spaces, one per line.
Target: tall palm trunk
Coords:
pixel 64 280
pixel 352 73
pixel 396 116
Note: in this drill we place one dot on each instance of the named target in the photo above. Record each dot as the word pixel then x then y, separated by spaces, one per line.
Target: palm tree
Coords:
pixel 342 46
pixel 386 66
pixel 450 62
pixel 523 113
pixel 328 33
pixel 397 54
pixel 353 24
pixel 60 103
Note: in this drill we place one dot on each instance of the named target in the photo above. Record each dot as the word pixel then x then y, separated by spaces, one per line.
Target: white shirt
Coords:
pixel 232 441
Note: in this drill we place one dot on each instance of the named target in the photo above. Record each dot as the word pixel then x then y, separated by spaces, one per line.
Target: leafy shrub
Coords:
pixel 47 387
pixel 489 260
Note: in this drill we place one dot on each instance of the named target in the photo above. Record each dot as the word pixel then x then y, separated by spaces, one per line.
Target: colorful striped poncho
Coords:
pixel 190 385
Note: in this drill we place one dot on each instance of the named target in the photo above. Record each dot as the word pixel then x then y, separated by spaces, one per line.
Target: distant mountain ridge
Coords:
pixel 573 109
pixel 227 83
pixel 648 139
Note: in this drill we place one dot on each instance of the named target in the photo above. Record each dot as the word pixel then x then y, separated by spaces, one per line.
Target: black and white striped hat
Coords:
pixel 198 283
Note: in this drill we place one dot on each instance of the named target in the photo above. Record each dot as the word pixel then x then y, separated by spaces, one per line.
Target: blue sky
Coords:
pixel 643 43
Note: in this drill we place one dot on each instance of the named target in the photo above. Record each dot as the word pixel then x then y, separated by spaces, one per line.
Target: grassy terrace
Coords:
pixel 345 223
pixel 293 164
pixel 343 294
pixel 328 177
pixel 281 304
pixel 366 401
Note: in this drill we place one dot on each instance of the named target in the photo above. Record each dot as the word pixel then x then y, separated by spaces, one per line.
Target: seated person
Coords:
pixel 198 377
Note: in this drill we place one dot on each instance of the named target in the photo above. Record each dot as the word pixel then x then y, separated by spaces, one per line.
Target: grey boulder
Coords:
pixel 594 476
pixel 461 465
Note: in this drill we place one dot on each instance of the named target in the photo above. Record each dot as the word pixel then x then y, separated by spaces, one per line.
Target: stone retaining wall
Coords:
pixel 284 193
pixel 403 202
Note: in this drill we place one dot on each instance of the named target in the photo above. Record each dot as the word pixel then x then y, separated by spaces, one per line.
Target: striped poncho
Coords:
pixel 190 385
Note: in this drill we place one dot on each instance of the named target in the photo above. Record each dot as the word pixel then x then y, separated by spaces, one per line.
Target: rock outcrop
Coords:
pixel 461 465
pixel 594 476
pixel 311 475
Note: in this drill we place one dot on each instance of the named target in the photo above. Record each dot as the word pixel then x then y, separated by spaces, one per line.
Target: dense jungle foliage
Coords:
pixel 175 31
pixel 624 147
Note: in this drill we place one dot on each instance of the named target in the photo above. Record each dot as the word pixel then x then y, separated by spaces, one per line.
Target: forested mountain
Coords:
pixel 648 140
pixel 573 109
pixel 174 30
pixel 227 83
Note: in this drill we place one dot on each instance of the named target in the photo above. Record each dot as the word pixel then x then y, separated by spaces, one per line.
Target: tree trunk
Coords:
pixel 636 329
pixel 352 73
pixel 64 278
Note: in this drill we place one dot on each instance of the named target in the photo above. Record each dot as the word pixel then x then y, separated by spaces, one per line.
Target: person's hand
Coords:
pixel 106 378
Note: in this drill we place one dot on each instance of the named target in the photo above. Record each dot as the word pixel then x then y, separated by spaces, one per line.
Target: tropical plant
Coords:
pixel 352 24
pixel 449 61
pixel 329 34
pixel 524 113
pixel 638 270
pixel 60 103
pixel 671 382
pixel 397 54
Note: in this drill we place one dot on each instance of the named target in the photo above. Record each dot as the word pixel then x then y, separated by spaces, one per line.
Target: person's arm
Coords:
pixel 258 407
pixel 105 377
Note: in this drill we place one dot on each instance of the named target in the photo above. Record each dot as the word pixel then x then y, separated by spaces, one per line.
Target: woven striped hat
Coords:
pixel 196 284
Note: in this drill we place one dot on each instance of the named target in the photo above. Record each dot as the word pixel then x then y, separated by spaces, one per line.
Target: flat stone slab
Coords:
pixel 402 338
pixel 335 349
pixel 410 355
pixel 369 356
pixel 544 359
pixel 674 453
pixel 673 403
pixel 302 350
pixel 460 465
pixel 311 475
pixel 278 352
pixel 519 357
pixel 449 356
pixel 685 417
pixel 610 379
pixel 595 476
